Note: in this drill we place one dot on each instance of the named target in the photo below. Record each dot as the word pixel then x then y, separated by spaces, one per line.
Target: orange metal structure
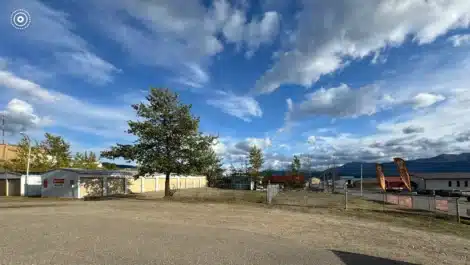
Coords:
pixel 380 176
pixel 405 177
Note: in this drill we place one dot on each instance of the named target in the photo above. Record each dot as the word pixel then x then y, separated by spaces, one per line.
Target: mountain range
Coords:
pixel 440 163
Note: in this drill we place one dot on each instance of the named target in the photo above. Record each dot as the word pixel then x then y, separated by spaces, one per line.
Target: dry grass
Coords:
pixel 312 202
pixel 209 195
pixel 323 203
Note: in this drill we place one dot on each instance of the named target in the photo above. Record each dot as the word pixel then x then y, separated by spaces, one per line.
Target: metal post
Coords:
pixel 28 161
pixel 361 181
pixel 345 196
pixel 384 199
pixel 457 208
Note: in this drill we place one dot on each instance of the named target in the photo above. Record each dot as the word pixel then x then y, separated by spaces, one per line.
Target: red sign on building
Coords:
pixel 58 182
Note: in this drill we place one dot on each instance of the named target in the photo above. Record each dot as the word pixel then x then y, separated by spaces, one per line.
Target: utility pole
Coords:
pixel 3 128
pixel 333 176
pixel 361 179
pixel 28 161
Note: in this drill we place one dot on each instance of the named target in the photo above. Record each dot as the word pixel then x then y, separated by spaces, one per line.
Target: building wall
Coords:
pixel 31 185
pixel 8 152
pixel 135 185
pixel 435 184
pixel 150 185
pixel 64 191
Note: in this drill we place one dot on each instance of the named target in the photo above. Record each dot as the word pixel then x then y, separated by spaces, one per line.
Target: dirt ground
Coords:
pixel 155 231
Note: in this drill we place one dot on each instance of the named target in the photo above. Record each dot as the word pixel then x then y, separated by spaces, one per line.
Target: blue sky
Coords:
pixel 345 81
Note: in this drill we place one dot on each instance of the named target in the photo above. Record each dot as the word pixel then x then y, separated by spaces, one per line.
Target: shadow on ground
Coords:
pixel 349 258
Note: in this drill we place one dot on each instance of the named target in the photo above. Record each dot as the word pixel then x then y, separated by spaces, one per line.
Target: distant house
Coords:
pixel 443 181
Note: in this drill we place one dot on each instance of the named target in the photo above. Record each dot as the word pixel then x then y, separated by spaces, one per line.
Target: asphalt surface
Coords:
pixel 65 234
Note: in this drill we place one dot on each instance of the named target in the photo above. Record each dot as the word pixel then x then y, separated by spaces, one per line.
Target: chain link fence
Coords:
pixel 437 204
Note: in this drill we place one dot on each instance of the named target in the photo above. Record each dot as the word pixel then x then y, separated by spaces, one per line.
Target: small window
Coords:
pixel 72 182
pixel 466 183
pixel 450 183
pixel 458 183
pixel 45 183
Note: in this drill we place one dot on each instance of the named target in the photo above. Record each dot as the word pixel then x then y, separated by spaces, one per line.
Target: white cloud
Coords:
pixel 52 32
pixel 87 65
pixel 170 36
pixel 196 77
pixel 311 139
pixel 233 28
pixel 242 107
pixel 345 102
pixel 20 116
pixel 25 87
pixel 69 112
pixel 460 40
pixel 263 31
pixel 341 101
pixel 330 34
pixel 423 100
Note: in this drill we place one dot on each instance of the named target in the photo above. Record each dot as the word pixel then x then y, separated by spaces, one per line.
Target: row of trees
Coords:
pixel 51 153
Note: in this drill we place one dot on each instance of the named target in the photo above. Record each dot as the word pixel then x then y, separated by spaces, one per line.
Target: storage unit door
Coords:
pixel 91 187
pixel 14 187
pixel 115 186
pixel 3 187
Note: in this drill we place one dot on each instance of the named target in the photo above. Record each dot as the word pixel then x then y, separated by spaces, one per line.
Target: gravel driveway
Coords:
pixel 148 232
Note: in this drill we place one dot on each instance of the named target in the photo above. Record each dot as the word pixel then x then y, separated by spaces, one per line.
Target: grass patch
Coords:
pixel 209 195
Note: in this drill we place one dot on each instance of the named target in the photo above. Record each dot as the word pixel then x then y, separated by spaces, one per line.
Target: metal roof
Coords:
pixel 4 175
pixel 98 172
pixel 443 176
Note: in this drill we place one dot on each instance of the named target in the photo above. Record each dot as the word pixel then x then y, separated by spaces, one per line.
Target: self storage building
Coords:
pixel 79 183
pixel 15 184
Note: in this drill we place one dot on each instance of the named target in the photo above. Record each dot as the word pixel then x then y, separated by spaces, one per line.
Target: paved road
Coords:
pixel 64 236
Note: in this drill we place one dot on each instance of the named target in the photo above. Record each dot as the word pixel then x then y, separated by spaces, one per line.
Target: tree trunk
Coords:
pixel 167 185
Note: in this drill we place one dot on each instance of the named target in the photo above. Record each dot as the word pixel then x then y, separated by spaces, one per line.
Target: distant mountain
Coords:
pixel 440 163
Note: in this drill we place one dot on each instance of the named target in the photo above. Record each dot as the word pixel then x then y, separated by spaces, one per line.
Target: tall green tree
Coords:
pixel 85 160
pixel 295 165
pixel 256 161
pixel 58 151
pixel 109 166
pixel 168 138
pixel 38 160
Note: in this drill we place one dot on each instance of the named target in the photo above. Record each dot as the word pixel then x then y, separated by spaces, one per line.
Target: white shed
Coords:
pixel 79 183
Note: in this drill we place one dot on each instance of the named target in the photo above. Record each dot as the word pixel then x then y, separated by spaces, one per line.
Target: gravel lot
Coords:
pixel 130 231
